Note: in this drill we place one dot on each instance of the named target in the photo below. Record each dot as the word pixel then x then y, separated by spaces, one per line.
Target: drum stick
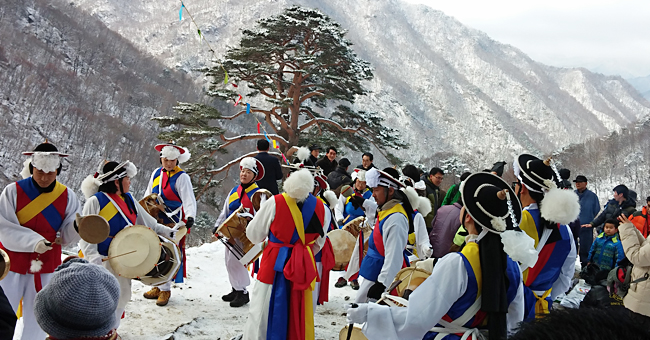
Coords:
pixel 351 326
pixel 112 257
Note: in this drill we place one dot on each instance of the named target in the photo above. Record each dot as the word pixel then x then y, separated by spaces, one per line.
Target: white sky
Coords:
pixel 610 37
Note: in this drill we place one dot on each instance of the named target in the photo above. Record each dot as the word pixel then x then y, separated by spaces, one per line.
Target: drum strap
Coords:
pixel 117 207
pixel 457 325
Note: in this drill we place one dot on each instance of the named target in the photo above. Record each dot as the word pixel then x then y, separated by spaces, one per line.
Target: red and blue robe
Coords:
pixel 43 213
pixel 326 257
pixel 374 259
pixel 288 264
pixel 471 259
pixel 549 263
pixel 164 184
pixel 237 197
pixel 118 217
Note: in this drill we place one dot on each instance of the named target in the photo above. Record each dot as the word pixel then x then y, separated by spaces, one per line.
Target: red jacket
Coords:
pixel 640 221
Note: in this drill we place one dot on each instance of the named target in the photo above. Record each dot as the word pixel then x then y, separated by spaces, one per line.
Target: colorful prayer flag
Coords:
pixel 258 127
pixel 248 108
pixel 180 13
pixel 225 80
pixel 238 100
pixel 274 145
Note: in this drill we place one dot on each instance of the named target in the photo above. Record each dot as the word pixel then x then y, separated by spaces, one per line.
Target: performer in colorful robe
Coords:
pixel 359 203
pixel 325 257
pixel 107 194
pixel 295 223
pixel 250 170
pixel 479 287
pixel 418 245
pixel 174 187
pixel 548 210
pixel 388 239
pixel 36 218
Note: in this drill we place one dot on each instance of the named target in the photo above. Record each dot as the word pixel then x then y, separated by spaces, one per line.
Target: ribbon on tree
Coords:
pixel 238 100
pixel 248 109
pixel 258 127
pixel 180 12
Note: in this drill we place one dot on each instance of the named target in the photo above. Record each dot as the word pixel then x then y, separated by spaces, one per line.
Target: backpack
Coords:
pixel 619 278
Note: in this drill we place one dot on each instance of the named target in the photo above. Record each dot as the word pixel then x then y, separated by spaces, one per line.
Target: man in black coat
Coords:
pixel 328 162
pixel 272 168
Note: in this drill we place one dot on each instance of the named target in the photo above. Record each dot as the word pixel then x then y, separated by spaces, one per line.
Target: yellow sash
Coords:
pixel 39 204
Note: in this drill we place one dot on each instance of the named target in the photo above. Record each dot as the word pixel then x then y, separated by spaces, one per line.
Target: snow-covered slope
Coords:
pixel 196 311
pixel 451 89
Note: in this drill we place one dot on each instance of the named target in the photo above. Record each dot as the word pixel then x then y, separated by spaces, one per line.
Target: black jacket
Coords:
pixel 338 178
pixel 272 172
pixel 613 210
pixel 327 166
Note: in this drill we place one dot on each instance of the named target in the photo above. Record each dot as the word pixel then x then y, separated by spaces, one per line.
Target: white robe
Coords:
pixel 257 231
pixel 20 239
pixel 395 236
pixel 92 254
pixel 237 272
pixel 429 303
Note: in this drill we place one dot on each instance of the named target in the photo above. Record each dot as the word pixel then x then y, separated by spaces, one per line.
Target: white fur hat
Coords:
pixel 299 184
pixel 172 151
pixel 45 157
pixel 254 165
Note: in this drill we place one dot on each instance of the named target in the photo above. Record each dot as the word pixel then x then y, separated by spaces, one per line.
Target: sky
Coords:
pixel 609 37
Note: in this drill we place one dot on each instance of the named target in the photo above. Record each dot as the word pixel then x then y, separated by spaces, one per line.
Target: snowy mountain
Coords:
pixel 67 78
pixel 451 89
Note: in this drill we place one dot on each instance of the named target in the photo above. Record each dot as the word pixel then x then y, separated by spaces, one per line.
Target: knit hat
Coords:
pixel 79 301
pixel 344 162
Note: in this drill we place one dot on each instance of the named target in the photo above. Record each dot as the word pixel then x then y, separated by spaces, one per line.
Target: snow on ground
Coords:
pixel 196 311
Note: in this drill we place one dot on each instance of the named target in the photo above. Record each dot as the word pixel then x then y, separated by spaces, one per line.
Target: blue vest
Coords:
pixel 351 211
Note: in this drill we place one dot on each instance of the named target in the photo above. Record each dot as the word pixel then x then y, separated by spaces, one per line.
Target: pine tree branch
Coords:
pixel 329 122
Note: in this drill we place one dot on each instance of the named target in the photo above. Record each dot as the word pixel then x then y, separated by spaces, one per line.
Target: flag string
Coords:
pixel 240 99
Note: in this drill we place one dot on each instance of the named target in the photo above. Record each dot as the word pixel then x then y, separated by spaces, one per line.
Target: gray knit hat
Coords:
pixel 79 301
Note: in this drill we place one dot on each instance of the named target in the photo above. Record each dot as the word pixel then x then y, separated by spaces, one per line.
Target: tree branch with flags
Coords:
pixel 296 66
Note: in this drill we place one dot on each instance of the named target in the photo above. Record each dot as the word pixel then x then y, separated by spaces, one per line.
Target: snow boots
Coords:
pixel 156 293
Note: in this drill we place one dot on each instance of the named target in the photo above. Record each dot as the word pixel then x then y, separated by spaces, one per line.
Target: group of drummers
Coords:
pixel 517 257
pixel 131 239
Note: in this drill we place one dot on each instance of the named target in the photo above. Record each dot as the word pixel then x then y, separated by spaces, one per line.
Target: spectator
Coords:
pixel 453 194
pixel 272 168
pixel 328 162
pixel 445 225
pixel 637 250
pixel 434 194
pixel 640 219
pixel 340 176
pixel 622 203
pixel 366 162
pixel 607 251
pixel 589 208
pixel 79 302
pixel 314 151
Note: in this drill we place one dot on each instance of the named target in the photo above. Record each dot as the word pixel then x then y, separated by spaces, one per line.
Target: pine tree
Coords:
pixel 307 74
